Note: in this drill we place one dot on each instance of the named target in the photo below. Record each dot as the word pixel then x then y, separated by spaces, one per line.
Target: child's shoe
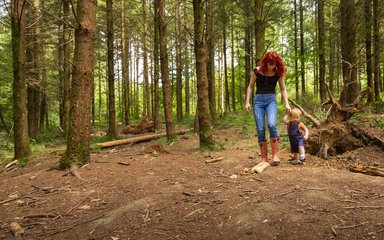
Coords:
pixel 302 158
pixel 297 162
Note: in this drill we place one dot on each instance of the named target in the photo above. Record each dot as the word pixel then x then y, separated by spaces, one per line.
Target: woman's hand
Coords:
pixel 248 107
pixel 287 109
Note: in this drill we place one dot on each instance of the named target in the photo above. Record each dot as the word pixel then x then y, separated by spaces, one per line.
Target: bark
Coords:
pixel 296 53
pixel 3 122
pixel 156 101
pixel 21 140
pixel 350 88
pixel 226 84
pixel 376 49
pixel 368 48
pixel 147 95
pixel 321 26
pixel 66 68
pixel 233 64
pixel 124 67
pixel 179 86
pixel 302 48
pixel 186 66
pixel 33 77
pixel 260 25
pixel 210 40
pixel 165 72
pixel 78 140
pixel 205 131
pixel 111 70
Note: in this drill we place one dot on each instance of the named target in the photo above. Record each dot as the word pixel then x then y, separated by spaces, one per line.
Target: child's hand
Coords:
pixel 305 138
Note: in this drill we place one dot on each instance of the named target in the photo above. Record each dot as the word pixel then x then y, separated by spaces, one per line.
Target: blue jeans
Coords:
pixel 265 105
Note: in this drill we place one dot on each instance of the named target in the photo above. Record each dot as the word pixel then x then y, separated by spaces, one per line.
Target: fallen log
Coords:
pixel 373 171
pixel 260 167
pixel 138 139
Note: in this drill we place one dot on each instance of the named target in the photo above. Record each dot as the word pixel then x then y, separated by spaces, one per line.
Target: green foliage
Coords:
pixel 378 122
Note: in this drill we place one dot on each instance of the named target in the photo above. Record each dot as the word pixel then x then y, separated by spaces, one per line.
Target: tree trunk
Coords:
pixel 66 68
pixel 147 94
pixel 332 53
pixel 350 88
pixel 78 140
pixel 156 91
pixel 111 70
pixel 302 48
pixel 368 48
pixel 376 49
pixel 260 24
pixel 226 84
pixel 165 72
pixel 296 53
pixel 33 59
pixel 20 128
pixel 124 67
pixel 210 39
pixel 321 26
pixel 179 85
pixel 186 65
pixel 205 131
pixel 233 64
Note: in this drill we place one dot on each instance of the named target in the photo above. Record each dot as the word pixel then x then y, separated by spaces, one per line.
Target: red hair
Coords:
pixel 274 59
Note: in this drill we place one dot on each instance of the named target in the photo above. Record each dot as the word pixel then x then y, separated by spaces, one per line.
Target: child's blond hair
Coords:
pixel 295 112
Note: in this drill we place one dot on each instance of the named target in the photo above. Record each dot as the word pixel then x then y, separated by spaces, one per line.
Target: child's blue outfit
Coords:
pixel 295 137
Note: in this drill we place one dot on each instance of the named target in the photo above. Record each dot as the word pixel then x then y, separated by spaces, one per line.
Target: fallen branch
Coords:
pixel 41 215
pixel 11 163
pixel 306 114
pixel 213 160
pixel 73 226
pixel 364 207
pixel 138 139
pixel 373 171
pixel 260 167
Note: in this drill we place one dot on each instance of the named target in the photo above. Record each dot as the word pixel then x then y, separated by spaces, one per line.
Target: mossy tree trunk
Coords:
pixel 21 139
pixel 205 130
pixel 350 89
pixel 210 39
pixel 78 140
pixel 165 71
pixel 111 70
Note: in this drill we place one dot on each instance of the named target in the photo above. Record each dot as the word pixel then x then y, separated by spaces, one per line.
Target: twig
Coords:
pixel 199 210
pixel 258 179
pixel 73 226
pixel 123 163
pixel 334 230
pixel 214 160
pixel 364 207
pixel 76 206
pixel 352 226
pixel 41 215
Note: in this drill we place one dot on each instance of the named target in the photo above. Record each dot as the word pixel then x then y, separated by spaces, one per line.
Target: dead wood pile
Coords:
pixel 143 126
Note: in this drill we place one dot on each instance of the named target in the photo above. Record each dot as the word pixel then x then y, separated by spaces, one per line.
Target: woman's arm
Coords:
pixel 249 91
pixel 284 94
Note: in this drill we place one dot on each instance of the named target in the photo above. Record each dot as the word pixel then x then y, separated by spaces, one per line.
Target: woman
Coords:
pixel 270 71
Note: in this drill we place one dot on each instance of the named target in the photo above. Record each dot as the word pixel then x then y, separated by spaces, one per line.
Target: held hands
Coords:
pixel 287 110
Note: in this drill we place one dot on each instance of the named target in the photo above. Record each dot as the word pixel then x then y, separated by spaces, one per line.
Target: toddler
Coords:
pixel 297 133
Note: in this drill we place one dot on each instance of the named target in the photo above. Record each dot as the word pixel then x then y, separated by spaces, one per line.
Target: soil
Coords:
pixel 155 190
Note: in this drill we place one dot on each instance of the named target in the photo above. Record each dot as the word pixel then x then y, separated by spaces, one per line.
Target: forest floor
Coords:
pixel 155 190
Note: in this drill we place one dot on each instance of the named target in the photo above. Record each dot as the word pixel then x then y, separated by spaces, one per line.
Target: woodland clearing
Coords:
pixel 154 190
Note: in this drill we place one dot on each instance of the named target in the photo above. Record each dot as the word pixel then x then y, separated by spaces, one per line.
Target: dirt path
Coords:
pixel 149 192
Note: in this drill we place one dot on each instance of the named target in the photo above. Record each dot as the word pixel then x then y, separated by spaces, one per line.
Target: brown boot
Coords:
pixel 264 151
pixel 275 152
